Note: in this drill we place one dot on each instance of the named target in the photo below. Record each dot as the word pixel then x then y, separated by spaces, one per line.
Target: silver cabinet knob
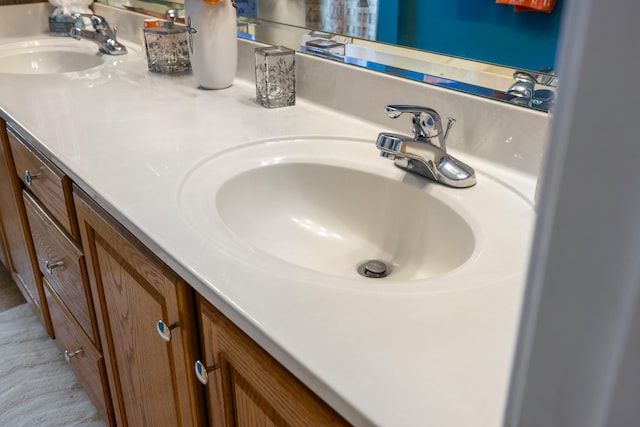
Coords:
pixel 70 355
pixel 29 177
pixel 202 372
pixel 49 266
pixel 165 331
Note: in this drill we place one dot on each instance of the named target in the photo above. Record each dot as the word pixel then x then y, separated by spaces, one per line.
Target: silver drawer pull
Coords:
pixel 50 266
pixel 70 355
pixel 165 331
pixel 202 372
pixel 28 176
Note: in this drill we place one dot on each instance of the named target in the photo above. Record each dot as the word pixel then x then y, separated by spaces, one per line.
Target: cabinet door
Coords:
pixel 246 387
pixel 20 254
pixel 150 379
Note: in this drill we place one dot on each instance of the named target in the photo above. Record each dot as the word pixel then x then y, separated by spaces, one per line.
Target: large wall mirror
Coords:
pixel 475 47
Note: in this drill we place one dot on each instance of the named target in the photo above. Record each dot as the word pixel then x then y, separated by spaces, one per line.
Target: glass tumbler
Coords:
pixel 167 50
pixel 275 76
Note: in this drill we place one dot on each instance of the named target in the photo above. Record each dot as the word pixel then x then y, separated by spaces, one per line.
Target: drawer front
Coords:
pixel 45 181
pixel 86 362
pixel 62 263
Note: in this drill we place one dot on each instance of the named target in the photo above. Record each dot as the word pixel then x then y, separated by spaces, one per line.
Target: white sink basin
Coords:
pixel 48 62
pixel 50 56
pixel 331 219
pixel 320 208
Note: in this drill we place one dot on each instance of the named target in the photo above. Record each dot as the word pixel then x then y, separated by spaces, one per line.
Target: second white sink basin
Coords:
pixel 48 62
pixel 56 55
pixel 326 206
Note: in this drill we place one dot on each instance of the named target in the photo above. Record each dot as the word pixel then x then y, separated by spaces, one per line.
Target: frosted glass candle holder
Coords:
pixel 275 76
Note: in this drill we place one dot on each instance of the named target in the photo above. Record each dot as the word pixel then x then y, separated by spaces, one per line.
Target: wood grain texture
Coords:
pixel 151 381
pixel 251 408
pixel 8 210
pixel 69 281
pixel 88 365
pixel 49 184
pixel 19 244
pixel 4 248
pixel 250 388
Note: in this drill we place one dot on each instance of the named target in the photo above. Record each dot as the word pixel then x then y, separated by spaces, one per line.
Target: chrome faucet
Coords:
pixel 425 153
pixel 104 36
pixel 524 89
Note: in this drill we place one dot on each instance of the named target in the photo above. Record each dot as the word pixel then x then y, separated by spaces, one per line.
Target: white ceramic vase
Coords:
pixel 213 44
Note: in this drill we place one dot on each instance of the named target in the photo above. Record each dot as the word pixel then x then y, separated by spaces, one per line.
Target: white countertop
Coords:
pixel 129 138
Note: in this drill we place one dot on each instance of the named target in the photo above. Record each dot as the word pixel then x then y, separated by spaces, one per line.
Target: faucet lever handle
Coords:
pixel 172 14
pixel 395 111
pixel 424 118
pixel 98 22
pixel 523 76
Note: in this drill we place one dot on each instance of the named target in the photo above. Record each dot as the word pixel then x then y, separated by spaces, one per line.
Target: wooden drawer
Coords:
pixel 46 182
pixel 86 362
pixel 62 263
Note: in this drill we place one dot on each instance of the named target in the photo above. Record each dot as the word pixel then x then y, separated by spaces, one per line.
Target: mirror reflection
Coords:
pixel 486 30
pixel 476 47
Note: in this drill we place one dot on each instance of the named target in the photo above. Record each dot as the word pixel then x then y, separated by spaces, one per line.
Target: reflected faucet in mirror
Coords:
pixel 525 93
pixel 424 153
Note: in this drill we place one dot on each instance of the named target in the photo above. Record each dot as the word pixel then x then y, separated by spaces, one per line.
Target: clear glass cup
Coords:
pixel 275 76
pixel 167 50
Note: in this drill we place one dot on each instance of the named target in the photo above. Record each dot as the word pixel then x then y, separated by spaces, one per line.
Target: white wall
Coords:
pixel 578 357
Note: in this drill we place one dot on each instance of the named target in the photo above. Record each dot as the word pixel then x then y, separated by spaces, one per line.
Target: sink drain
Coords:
pixel 374 269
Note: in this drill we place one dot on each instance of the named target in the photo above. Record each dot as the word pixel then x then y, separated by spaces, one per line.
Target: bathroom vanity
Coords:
pixel 143 220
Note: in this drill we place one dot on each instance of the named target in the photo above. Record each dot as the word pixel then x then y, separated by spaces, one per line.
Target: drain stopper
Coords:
pixel 373 268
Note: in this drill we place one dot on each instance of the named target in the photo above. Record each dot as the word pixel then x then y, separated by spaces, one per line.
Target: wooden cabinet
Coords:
pixel 247 387
pixel 151 380
pixel 20 253
pixel 47 201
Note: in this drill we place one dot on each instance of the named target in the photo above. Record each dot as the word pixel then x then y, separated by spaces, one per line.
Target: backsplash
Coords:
pixel 12 23
pixel 496 131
